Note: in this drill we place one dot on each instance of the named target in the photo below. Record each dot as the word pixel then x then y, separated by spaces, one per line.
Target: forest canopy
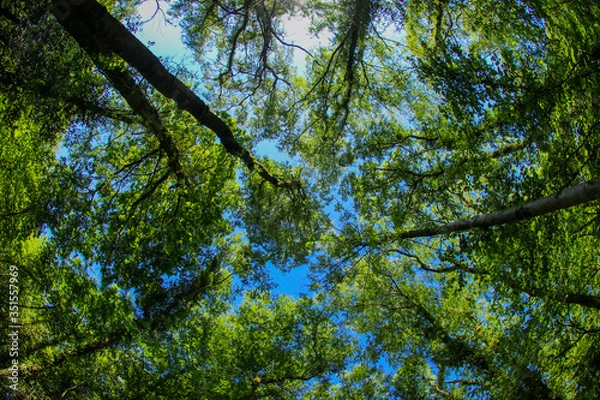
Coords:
pixel 437 179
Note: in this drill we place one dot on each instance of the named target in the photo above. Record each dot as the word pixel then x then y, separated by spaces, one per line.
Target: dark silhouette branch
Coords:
pixel 139 103
pixel 99 33
pixel 584 300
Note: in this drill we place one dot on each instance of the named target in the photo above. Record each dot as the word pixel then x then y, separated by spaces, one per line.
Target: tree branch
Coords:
pixel 575 195
pixel 98 32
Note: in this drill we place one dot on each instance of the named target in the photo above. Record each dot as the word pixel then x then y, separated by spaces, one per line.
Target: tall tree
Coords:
pixel 442 186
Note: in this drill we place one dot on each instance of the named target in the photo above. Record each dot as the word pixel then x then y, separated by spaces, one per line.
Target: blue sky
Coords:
pixel 163 38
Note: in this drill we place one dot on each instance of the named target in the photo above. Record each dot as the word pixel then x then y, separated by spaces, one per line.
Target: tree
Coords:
pixel 484 139
pixel 442 187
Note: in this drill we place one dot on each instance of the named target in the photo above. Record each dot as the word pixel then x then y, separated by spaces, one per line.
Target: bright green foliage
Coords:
pixel 141 281
pixel 497 114
pixel 283 227
pixel 267 347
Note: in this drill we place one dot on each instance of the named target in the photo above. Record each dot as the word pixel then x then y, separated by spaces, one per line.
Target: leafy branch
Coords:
pixel 99 33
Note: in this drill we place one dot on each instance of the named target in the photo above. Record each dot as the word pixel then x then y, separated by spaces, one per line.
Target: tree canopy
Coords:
pixel 439 183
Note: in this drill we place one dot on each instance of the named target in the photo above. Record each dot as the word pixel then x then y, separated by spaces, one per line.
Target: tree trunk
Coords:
pixel 578 194
pixel 98 32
